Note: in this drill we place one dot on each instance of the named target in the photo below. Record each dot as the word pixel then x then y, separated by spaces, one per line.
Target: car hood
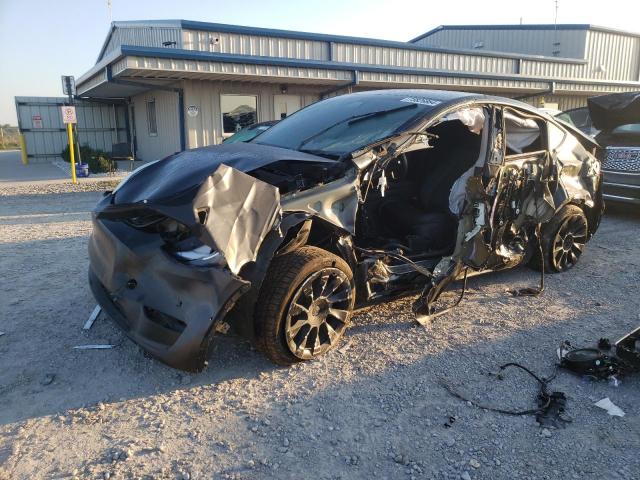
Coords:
pixel 610 111
pixel 186 171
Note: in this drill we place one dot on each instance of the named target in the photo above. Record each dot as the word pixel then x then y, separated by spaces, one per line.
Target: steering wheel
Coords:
pixel 398 168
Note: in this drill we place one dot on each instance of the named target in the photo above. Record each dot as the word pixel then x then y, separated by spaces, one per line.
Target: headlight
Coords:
pixel 200 256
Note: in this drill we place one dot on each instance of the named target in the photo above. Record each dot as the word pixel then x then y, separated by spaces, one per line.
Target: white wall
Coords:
pixel 206 127
pixel 167 141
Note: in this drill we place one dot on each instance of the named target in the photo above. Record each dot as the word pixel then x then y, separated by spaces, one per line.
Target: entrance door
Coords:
pixel 285 105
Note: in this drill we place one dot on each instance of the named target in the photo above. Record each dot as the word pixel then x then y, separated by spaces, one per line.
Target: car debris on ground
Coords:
pixel 92 318
pixel 611 408
pixel 93 347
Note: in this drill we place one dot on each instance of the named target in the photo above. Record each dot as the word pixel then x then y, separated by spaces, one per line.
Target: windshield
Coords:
pixel 341 125
pixel 247 133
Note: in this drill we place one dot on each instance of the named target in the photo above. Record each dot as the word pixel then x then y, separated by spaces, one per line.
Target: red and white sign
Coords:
pixel 69 114
pixel 36 121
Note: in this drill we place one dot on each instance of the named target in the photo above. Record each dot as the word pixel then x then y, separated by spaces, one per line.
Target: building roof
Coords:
pixel 532 26
pixel 298 35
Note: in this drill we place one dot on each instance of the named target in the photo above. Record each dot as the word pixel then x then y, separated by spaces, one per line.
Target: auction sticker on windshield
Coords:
pixel 421 101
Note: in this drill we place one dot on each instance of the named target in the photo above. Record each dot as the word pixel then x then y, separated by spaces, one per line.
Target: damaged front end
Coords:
pixel 170 257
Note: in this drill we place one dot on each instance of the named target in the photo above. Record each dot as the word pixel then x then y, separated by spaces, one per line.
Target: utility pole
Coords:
pixel 556 39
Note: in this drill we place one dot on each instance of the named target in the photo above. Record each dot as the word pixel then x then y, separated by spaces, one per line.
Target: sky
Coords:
pixel 40 40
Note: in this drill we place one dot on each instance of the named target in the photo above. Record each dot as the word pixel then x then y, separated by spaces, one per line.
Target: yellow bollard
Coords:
pixel 23 149
pixel 72 153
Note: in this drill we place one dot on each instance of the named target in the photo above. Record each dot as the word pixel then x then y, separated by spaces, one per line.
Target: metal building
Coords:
pixel 187 84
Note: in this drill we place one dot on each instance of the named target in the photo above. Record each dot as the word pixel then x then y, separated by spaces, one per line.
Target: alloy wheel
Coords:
pixel 319 313
pixel 569 242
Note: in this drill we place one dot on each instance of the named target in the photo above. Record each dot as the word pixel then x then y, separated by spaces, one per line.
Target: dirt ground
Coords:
pixel 373 409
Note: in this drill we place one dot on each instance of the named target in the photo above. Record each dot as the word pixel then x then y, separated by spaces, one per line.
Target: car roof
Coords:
pixel 445 98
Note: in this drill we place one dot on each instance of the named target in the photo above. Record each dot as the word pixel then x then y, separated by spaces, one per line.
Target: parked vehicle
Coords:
pixel 249 133
pixel 617 119
pixel 351 200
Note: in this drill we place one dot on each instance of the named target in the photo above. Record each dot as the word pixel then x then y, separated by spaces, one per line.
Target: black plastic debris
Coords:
pixel 628 350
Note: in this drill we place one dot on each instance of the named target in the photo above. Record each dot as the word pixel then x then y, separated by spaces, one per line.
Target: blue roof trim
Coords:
pixel 298 63
pixel 533 26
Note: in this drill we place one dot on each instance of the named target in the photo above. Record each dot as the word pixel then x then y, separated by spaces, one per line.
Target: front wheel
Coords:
pixel 305 305
pixel 563 240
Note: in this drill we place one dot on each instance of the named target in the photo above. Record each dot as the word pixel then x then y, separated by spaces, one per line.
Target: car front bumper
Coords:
pixel 167 307
pixel 621 186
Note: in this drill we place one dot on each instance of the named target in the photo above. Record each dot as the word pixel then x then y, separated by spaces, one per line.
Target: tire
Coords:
pixel 297 317
pixel 563 240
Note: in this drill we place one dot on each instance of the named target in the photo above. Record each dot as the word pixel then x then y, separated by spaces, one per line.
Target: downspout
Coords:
pixel 551 91
pixel 352 83
pixel 179 91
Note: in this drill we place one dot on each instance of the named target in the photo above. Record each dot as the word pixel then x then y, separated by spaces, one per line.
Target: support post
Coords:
pixel 23 149
pixel 72 153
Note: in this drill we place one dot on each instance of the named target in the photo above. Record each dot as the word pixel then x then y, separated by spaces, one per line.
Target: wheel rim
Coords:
pixel 569 242
pixel 319 313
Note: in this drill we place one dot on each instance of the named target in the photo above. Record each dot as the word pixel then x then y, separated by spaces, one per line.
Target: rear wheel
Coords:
pixel 563 240
pixel 305 305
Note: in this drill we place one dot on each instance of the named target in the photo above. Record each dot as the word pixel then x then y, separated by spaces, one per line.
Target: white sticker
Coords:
pixel 422 101
pixel 192 110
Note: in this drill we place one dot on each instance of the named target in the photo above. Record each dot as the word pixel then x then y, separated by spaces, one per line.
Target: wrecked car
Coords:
pixel 352 200
pixel 617 120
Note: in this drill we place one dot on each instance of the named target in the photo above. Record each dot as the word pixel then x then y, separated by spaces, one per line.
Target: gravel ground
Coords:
pixel 374 408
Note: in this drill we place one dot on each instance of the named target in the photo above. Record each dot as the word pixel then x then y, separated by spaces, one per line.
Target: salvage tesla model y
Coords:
pixel 351 200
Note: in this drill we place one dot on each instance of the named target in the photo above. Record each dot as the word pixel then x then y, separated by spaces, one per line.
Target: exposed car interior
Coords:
pixel 414 211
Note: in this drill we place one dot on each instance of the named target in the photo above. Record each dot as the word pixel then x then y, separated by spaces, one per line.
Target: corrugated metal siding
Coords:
pixel 91 82
pixel 373 55
pixel 99 125
pixel 432 81
pixel 168 139
pixel 204 68
pixel 143 37
pixel 565 102
pixel 206 128
pixel 254 45
pixel 531 42
pixel 618 54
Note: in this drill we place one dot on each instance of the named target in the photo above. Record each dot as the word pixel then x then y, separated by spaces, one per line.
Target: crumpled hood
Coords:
pixel 610 111
pixel 185 171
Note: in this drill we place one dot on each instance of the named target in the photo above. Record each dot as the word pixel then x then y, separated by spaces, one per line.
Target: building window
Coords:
pixel 238 111
pixel 152 125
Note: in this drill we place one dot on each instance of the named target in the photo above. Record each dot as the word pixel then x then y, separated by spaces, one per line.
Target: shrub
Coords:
pixel 98 160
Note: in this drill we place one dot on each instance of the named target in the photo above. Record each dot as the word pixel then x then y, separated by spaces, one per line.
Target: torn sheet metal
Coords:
pixel 238 212
pixel 336 202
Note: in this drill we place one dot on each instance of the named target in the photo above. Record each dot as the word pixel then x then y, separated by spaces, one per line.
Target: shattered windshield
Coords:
pixel 340 125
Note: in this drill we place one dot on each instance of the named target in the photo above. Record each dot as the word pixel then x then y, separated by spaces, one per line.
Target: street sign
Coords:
pixel 68 114
pixel 36 121
pixel 68 85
